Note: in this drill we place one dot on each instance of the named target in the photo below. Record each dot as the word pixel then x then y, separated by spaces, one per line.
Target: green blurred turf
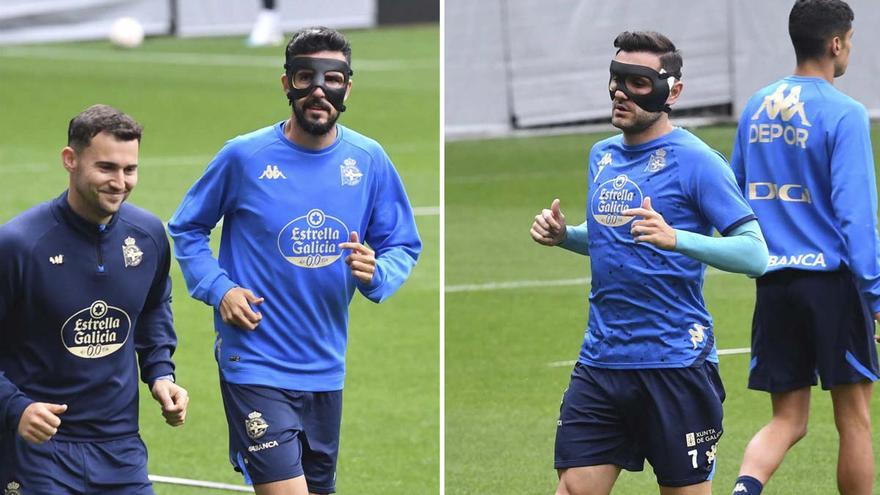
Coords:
pixel 502 397
pixel 390 427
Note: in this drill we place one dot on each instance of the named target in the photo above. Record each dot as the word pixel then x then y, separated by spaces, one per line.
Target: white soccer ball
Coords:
pixel 126 32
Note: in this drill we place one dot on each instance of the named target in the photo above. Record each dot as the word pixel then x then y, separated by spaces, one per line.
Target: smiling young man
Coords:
pixel 646 384
pixel 296 199
pixel 803 158
pixel 84 302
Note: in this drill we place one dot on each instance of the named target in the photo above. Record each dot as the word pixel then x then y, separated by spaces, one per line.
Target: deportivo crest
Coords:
pixel 657 161
pixel 13 488
pixel 256 426
pixel 351 175
pixel 132 253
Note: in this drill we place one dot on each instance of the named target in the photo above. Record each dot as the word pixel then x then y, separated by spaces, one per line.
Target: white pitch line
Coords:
pixel 426 211
pixel 524 284
pixel 517 284
pixel 200 484
pixel 721 352
pixel 196 59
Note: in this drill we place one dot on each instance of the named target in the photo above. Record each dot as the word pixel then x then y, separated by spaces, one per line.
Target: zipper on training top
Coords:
pixel 101 228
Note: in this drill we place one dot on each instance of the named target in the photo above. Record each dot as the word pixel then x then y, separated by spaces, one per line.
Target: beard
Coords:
pixel 639 121
pixel 314 127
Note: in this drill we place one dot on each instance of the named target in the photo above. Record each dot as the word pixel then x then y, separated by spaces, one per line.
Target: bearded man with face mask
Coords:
pixel 300 200
pixel 646 384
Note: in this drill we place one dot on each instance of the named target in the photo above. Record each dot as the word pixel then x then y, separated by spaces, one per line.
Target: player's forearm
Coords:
pixel 155 341
pixel 204 278
pixel 863 246
pixel 577 239
pixel 393 267
pixel 12 403
pixel 743 251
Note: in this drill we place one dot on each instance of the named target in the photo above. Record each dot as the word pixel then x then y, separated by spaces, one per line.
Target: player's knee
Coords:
pixel 858 424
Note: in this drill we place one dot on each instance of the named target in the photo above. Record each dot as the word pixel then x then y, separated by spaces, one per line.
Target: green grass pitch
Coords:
pixel 502 395
pixel 191 96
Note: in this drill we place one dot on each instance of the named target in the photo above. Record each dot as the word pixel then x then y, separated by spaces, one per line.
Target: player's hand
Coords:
pixel 652 229
pixel 549 226
pixel 173 399
pixel 39 422
pixel 235 308
pixel 362 259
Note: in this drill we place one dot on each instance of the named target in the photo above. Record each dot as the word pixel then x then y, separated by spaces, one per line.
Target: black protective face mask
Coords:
pixel 630 79
pixel 318 67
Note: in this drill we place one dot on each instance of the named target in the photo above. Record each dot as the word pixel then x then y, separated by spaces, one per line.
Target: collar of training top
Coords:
pixel 662 82
pixel 319 66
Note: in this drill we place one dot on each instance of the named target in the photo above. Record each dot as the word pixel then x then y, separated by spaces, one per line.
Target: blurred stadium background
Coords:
pixel 526 98
pixel 194 94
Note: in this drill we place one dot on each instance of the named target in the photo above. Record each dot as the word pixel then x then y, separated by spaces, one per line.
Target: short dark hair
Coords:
pixel 652 42
pixel 317 39
pixel 97 119
pixel 813 23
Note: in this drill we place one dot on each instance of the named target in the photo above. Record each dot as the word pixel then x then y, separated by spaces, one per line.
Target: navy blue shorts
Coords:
pixel 277 434
pixel 808 323
pixel 671 417
pixel 116 467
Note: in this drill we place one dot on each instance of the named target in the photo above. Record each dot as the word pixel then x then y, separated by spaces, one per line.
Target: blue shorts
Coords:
pixel 277 434
pixel 808 323
pixel 116 467
pixel 671 417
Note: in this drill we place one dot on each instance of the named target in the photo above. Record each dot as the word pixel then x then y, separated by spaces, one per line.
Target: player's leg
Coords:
pixel 704 488
pixel 683 411
pixel 847 364
pixel 783 364
pixel 852 415
pixel 322 418
pixel 766 450
pixel 117 467
pixel 264 437
pixel 293 486
pixel 587 480
pixel 594 441
pixel 53 467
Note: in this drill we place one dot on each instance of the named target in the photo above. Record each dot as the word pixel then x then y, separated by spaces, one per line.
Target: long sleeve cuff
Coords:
pixel 218 289
pixel 577 239
pixel 16 407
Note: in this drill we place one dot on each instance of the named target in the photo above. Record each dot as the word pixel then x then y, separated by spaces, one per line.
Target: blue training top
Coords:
pixel 285 211
pixel 803 159
pixel 646 304
pixel 78 301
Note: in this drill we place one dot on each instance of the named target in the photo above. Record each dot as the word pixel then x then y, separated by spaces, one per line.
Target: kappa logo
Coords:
pixel 256 426
pixel 272 172
pixel 604 162
pixel 740 488
pixel 58 259
pixel 711 453
pixel 13 488
pixel 131 253
pixel 351 175
pixel 785 105
pixel 698 334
